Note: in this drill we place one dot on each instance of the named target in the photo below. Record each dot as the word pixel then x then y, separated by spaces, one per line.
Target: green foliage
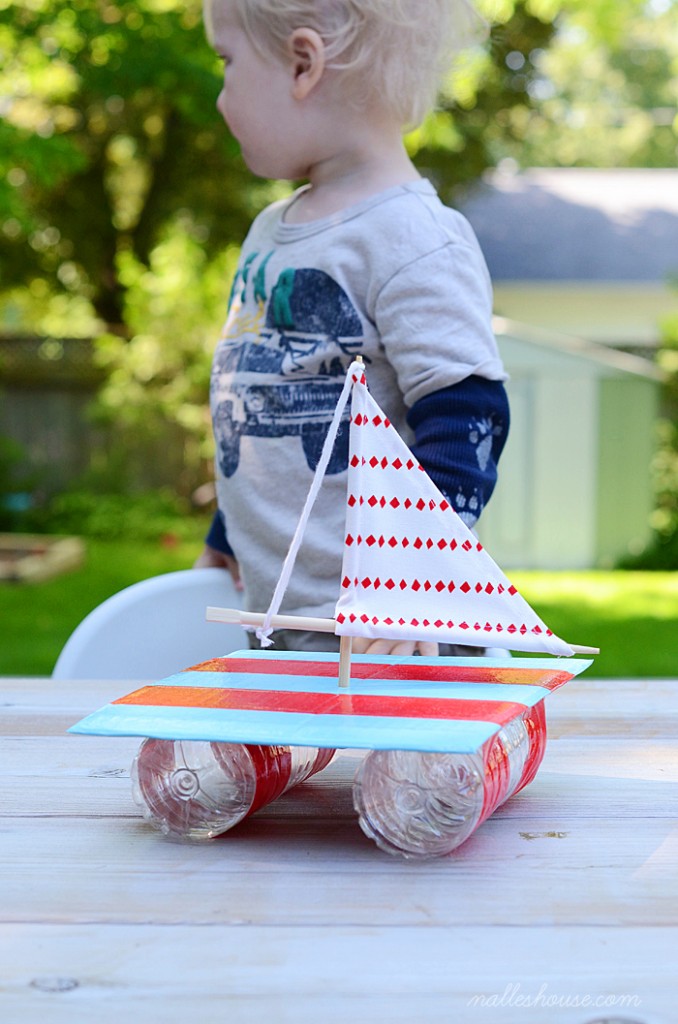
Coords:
pixel 159 378
pixel 108 130
pixel 603 93
pixel 150 516
pixel 487 96
pixel 14 486
pixel 662 553
pixel 109 134
pixel 665 518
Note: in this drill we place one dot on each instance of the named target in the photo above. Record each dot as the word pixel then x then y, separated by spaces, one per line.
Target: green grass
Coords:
pixel 631 616
pixel 37 619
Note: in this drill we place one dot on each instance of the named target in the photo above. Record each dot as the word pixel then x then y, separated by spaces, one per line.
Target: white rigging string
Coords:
pixel 264 631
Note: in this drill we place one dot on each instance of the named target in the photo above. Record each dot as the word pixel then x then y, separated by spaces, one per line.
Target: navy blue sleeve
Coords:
pixel 216 537
pixel 459 433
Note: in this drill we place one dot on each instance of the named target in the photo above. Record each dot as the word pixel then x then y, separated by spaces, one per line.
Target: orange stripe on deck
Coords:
pixel 548 678
pixel 306 703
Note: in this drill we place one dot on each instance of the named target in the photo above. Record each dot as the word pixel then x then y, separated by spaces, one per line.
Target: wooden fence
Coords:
pixel 47 387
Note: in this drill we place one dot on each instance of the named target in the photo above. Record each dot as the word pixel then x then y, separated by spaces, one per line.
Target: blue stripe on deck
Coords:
pixel 267 727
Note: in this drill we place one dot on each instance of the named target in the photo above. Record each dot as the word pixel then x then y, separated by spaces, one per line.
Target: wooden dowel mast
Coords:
pixel 345 647
pixel 235 616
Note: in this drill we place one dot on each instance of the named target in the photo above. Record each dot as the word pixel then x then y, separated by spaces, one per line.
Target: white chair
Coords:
pixel 154 629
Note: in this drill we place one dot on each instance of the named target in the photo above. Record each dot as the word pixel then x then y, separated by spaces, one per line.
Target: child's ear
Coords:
pixel 307 52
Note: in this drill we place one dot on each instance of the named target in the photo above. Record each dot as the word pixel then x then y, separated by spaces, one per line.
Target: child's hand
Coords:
pixel 210 558
pixel 405 648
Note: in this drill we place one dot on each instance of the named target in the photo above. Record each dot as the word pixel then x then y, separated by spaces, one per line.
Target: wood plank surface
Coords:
pixel 569 892
pixel 258 974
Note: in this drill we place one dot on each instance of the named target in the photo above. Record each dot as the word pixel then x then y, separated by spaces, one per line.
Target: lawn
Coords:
pixel 37 619
pixel 631 616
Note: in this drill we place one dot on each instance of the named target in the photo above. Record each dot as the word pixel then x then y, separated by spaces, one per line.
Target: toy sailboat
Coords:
pixel 411 570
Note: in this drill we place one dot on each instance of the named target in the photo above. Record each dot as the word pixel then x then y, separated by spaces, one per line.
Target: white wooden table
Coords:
pixel 562 907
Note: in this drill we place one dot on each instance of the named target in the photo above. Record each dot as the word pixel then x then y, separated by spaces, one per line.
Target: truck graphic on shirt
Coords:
pixel 267 390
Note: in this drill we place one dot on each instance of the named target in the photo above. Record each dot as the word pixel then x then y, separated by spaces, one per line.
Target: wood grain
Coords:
pixel 569 892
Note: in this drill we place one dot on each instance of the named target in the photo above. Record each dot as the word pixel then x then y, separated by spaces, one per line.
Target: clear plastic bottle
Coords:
pixel 422 805
pixel 198 790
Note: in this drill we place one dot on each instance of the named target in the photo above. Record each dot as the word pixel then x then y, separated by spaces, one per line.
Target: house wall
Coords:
pixel 564 472
pixel 574 489
pixel 507 524
pixel 629 410
pixel 625 314
pixel 542 514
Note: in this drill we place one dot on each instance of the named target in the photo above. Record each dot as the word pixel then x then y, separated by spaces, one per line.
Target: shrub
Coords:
pixel 15 486
pixel 155 515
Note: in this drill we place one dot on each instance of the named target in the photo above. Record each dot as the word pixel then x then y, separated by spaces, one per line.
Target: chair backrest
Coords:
pixel 153 629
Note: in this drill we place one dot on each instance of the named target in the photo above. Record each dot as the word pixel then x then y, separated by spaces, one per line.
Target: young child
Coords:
pixel 365 260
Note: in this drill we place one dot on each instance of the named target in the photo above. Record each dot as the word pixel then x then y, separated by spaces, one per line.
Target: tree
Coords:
pixel 486 97
pixel 121 197
pixel 602 94
pixel 663 550
pixel 109 132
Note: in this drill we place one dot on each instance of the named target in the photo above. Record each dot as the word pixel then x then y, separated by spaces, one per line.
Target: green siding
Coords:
pixel 628 413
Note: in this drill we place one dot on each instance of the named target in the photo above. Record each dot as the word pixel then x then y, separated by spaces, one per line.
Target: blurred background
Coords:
pixel 122 203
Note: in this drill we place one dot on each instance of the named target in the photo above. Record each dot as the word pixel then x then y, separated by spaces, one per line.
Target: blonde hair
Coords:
pixel 396 50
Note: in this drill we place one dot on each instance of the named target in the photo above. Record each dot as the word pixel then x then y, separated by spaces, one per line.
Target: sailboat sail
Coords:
pixel 411 567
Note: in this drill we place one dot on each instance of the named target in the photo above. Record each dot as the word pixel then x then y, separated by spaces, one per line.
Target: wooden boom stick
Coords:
pixel 235 616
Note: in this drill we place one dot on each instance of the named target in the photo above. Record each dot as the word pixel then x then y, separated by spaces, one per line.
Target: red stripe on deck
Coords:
pixel 306 703
pixel 550 679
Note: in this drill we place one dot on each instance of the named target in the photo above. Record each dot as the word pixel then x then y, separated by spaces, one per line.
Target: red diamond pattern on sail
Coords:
pixel 436 581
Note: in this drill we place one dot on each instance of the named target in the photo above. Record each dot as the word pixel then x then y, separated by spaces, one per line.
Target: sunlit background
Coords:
pixel 122 202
